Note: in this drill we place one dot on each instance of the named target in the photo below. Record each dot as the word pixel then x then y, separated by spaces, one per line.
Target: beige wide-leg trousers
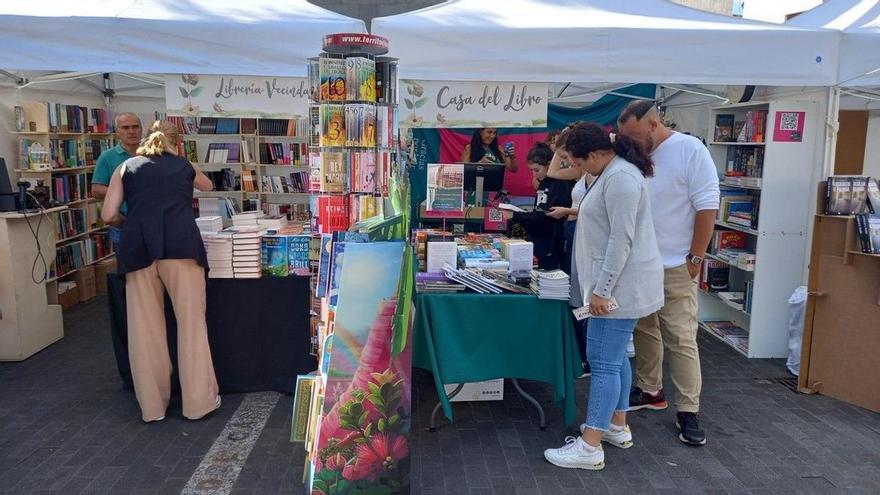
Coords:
pixel 151 368
pixel 673 328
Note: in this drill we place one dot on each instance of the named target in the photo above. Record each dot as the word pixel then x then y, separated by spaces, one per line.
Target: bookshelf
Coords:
pixel 59 150
pixel 241 154
pixel 843 306
pixel 775 179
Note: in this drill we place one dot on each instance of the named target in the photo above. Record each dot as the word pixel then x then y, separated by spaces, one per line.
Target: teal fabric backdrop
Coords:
pixel 603 111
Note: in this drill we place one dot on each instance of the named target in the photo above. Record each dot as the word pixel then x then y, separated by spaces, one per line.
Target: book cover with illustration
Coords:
pixel 363 436
pixel 333 176
pixel 332 125
pixel 298 254
pixel 332 73
pixel 273 255
pixel 360 79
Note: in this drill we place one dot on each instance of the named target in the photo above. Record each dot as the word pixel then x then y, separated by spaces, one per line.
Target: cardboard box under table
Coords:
pixel 468 337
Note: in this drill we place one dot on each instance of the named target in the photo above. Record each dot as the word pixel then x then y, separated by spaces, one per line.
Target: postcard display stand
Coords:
pixel 353 414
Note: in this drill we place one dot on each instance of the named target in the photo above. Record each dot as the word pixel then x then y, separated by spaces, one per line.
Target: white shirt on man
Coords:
pixel 685 181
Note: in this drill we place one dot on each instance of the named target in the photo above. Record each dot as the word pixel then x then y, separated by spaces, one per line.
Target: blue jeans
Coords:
pixel 115 235
pixel 611 374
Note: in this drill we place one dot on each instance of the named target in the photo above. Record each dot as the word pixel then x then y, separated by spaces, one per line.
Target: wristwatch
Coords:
pixel 694 259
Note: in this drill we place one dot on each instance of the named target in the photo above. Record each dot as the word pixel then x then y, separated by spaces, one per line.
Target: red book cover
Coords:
pixel 731 239
pixel 332 214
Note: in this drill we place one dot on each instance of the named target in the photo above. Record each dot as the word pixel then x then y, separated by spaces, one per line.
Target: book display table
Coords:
pixel 474 337
pixel 258 330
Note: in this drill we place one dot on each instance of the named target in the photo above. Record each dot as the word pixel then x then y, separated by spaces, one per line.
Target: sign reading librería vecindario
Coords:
pixel 472 104
pixel 236 96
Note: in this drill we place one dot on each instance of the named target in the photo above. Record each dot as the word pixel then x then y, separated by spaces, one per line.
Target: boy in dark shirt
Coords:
pixel 544 231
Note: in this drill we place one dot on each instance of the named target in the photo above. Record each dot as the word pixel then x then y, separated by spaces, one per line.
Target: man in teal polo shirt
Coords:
pixel 128 136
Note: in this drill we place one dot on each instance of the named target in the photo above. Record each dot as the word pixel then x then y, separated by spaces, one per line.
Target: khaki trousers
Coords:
pixel 147 341
pixel 673 327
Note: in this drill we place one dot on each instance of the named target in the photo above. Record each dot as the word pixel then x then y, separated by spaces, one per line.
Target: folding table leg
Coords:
pixel 543 421
pixel 440 404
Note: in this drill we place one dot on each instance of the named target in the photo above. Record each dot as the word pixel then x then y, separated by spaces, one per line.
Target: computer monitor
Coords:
pixel 483 177
pixel 7 195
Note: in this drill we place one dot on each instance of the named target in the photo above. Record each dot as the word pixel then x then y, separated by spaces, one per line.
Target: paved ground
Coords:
pixel 67 427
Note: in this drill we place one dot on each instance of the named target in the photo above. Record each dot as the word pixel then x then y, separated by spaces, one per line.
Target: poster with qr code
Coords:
pixel 789 127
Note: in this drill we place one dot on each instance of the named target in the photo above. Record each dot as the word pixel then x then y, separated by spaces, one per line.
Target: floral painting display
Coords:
pixel 363 440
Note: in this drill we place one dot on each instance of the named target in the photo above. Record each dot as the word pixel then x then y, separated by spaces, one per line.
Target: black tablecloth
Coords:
pixel 258 330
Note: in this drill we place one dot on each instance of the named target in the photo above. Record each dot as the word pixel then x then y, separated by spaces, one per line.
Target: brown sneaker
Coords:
pixel 639 399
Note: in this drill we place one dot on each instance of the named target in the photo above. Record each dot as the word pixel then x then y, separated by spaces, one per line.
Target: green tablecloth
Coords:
pixel 475 337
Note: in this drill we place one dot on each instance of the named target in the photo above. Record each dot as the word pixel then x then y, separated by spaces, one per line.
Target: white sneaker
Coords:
pixel 577 454
pixel 630 348
pixel 622 439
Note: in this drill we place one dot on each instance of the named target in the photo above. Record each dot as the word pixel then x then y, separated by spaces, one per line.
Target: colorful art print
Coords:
pixel 789 127
pixel 332 72
pixel 363 439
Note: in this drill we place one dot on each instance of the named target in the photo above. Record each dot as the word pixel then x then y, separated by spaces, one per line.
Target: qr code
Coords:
pixel 495 215
pixel 789 121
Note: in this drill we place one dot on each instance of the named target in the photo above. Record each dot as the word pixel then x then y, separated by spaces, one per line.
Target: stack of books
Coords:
pixel 436 283
pixel 730 333
pixel 246 251
pixel 551 284
pixel 274 222
pixel 246 218
pixel 218 246
pixel 209 224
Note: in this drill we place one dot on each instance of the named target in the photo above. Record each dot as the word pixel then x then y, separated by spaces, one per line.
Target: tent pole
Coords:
pixel 832 125
pixel 108 93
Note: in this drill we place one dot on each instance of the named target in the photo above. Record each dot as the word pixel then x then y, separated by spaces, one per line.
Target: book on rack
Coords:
pixel 868 227
pixel 744 161
pixel 332 74
pixel 333 120
pixel 386 80
pixel 714 276
pixel 724 127
pixel 362 171
pixel 360 79
pixel 333 171
pixel 332 214
pixel 850 195
pixel 360 125
pixel 724 239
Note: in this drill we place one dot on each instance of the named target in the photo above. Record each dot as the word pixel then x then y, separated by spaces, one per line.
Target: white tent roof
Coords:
pixel 860 45
pixel 603 41
pixel 253 37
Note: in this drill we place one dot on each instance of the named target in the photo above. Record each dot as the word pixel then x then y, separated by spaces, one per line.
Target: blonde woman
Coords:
pixel 162 250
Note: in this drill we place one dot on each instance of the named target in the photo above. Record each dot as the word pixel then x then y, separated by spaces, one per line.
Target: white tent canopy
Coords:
pixel 860 44
pixel 253 37
pixel 604 41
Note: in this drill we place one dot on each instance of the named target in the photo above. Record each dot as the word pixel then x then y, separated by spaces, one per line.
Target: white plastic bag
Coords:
pixel 797 306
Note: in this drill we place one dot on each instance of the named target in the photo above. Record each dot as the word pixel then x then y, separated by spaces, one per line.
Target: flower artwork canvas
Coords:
pixel 363 438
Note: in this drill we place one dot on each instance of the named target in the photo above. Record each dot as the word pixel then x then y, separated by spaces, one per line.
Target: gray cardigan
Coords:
pixel 615 248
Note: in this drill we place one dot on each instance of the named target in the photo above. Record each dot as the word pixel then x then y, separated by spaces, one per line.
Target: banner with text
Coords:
pixel 472 104
pixel 236 96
